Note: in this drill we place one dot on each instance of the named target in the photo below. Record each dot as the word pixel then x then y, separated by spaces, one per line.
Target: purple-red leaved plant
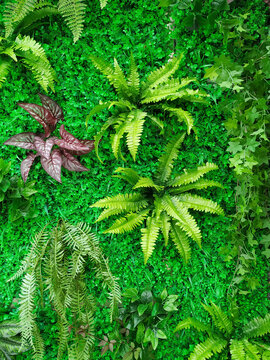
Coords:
pixel 52 159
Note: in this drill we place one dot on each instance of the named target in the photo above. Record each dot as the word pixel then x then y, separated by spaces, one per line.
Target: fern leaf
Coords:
pixel 206 349
pixel 165 226
pixel 35 16
pixel 134 130
pixel 199 203
pixel 120 130
pixel 144 182
pixel 111 121
pixel 102 66
pixel 103 3
pixel 166 160
pixel 109 212
pixel 237 350
pixel 257 327
pixel 14 12
pixel 38 344
pixel 252 352
pixel 181 242
pixel 160 93
pixel 198 96
pixel 133 79
pixel 149 237
pixel 26 43
pixel 190 322
pixel 63 339
pixel 186 81
pixel 127 174
pixel 220 319
pixel 156 121
pixel 181 115
pixel 186 221
pixel 190 176
pixel 198 185
pixel 73 12
pixel 97 109
pixel 162 74
pixel 118 80
pixel 5 66
pixel 128 223
pixel 127 202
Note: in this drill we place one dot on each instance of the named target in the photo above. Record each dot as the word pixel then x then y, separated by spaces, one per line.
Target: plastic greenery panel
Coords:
pixel 15 194
pixel 140 101
pixel 141 324
pixel 52 159
pixel 163 203
pixel 56 266
pixel 10 339
pixel 227 335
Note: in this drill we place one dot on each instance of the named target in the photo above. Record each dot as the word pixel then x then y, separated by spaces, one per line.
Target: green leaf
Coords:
pixel 160 334
pixel 140 333
pixel 142 308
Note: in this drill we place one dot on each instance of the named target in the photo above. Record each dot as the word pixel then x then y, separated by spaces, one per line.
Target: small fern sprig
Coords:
pixel 161 203
pixel 138 101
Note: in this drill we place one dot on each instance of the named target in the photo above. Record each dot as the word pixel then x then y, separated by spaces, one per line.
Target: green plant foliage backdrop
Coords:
pixel 145 29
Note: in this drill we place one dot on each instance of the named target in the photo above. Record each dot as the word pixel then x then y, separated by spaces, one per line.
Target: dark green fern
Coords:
pixel 10 339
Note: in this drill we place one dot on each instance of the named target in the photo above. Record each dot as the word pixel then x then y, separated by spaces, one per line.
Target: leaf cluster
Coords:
pixel 10 339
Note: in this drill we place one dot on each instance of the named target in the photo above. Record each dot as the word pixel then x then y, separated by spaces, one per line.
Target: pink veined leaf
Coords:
pixel 89 143
pixel 69 162
pixel 42 115
pixel 23 140
pixel 51 105
pixel 70 142
pixel 26 165
pixel 53 164
pixel 44 147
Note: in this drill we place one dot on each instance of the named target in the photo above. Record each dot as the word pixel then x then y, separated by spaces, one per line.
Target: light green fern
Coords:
pixel 222 335
pixel 156 204
pixel 10 339
pixel 138 101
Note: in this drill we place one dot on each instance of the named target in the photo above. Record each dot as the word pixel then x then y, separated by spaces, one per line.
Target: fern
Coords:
pixel 137 102
pixel 258 327
pixel 10 340
pixel 207 349
pixel 155 198
pixel 5 66
pixel 237 350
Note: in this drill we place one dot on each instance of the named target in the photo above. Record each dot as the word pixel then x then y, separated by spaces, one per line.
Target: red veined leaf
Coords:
pixel 26 165
pixel 51 105
pixel 23 140
pixel 44 147
pixel 69 162
pixel 42 115
pixel 89 143
pixel 70 142
pixel 52 165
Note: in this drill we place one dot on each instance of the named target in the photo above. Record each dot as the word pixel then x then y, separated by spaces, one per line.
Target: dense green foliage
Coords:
pixel 10 340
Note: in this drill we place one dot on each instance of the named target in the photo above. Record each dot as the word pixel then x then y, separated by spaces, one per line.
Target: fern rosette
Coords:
pixel 141 101
pixel 162 204
pixel 227 337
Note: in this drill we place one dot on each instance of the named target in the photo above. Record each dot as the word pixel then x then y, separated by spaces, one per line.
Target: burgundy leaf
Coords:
pixel 42 115
pixel 105 349
pixel 26 165
pixel 52 165
pixel 89 143
pixel 51 105
pixel 69 142
pixel 111 347
pixel 69 162
pixel 22 140
pixel 44 147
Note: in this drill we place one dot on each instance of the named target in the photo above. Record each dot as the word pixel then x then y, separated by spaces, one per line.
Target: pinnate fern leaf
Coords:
pixel 133 78
pixel 220 319
pixel 196 202
pixel 198 185
pixel 144 182
pixel 103 3
pixel 127 202
pixel 257 327
pixel 5 66
pixel 128 223
pixel 120 130
pixel 109 212
pixel 206 349
pixel 166 160
pixel 36 15
pixel 134 130
pixel 111 121
pixel 15 11
pixel 190 322
pixel 181 241
pixel 181 115
pixel 165 226
pixel 127 174
pixel 149 237
pixel 252 351
pixel 73 11
pixel 237 350
pixel 160 93
pixel 102 65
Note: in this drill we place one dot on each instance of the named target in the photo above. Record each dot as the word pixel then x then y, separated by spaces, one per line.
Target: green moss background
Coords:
pixel 141 27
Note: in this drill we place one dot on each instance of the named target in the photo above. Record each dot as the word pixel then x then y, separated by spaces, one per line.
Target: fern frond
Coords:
pixel 127 202
pixel 198 96
pixel 5 66
pixel 73 11
pixel 190 322
pixel 198 185
pixel 206 349
pixel 14 12
pixel 257 327
pixel 199 203
pixel 127 174
pixel 35 16
pixel 181 115
pixel 237 350
pixel 103 66
pixel 26 43
pixel 118 80
pixel 144 182
pixel 38 344
pixel 128 223
pixel 133 78
pixel 190 176
pixel 63 338
pixel 160 93
pixel 185 220
pixel 149 237
pixel 162 74
pixel 111 121
pixel 165 226
pixel 156 121
pixel 181 242
pixel 252 352
pixel 103 3
pixel 220 319
pixel 120 130
pixel 134 130
pixel 106 213
pixel 96 110
pixel 166 160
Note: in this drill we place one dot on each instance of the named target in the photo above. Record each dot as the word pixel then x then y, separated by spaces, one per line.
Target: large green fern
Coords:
pixel 161 203
pixel 10 339
pixel 56 264
pixel 138 102
pixel 223 339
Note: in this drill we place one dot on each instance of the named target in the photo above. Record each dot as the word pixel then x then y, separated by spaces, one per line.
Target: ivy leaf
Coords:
pixel 52 165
